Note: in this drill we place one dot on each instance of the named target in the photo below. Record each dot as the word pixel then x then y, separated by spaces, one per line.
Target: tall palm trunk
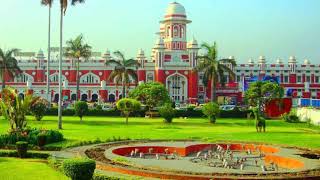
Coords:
pixel 60 72
pixel 78 79
pixel 123 89
pixel 3 78
pixel 48 61
pixel 213 90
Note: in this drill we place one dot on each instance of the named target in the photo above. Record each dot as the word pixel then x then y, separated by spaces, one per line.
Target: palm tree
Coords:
pixel 213 68
pixel 49 4
pixel 123 71
pixel 8 65
pixel 76 49
pixel 63 9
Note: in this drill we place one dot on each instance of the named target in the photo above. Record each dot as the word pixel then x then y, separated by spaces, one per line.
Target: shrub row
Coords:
pixel 94 112
pixel 31 136
pixel 30 154
pixel 98 176
pixel 178 113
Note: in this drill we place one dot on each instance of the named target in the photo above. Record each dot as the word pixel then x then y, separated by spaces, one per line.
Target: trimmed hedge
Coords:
pixel 79 169
pixel 188 112
pixel 31 137
pixel 30 154
pixel 22 148
pixel 97 176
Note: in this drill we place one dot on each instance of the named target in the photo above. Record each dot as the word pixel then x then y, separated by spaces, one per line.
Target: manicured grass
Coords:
pixel 22 169
pixel 278 132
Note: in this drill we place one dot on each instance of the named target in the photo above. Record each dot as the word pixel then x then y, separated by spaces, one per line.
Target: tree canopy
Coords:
pixel 151 94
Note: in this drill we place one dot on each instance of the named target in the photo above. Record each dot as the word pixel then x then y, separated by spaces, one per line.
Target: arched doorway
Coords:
pixel 56 98
pixel 73 97
pixel 112 98
pixel 21 96
pixel 94 98
pixel 177 86
pixel 120 96
pixel 84 97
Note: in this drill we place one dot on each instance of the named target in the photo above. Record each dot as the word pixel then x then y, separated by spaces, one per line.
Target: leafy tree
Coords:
pixel 151 94
pixel 213 68
pixel 81 109
pixel 211 110
pixel 258 95
pixel 123 71
pixel 77 49
pixel 127 106
pixel 14 109
pixel 167 112
pixel 38 107
pixel 8 65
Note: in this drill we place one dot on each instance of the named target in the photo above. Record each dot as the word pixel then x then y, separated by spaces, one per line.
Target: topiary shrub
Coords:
pixel 39 107
pixel 211 110
pixel 291 117
pixel 79 169
pixel 127 106
pixel 22 148
pixel 42 137
pixel 167 112
pixel 81 109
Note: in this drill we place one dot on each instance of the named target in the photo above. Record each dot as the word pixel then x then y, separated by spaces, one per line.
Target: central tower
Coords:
pixel 173 29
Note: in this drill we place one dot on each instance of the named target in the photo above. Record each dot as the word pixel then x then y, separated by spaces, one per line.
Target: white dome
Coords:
pixel 279 61
pixel 231 57
pixel 250 61
pixel 306 62
pixel 175 8
pixel 292 59
pixel 140 52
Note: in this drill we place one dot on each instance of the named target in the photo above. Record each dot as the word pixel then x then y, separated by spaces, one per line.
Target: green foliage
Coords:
pixel 79 169
pixel 97 176
pixel 211 110
pixel 14 108
pixel 22 148
pixel 30 154
pixel 31 136
pixel 151 94
pixel 291 117
pixel 167 112
pixel 38 107
pixel 258 95
pixel 124 70
pixel 127 106
pixel 81 109
pixel 9 65
pixel 214 70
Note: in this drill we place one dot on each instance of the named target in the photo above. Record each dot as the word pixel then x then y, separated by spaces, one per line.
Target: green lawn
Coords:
pixel 22 169
pixel 278 132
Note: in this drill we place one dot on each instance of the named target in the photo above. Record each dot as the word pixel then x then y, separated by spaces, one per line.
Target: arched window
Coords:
pixel 182 32
pixel 90 78
pixel 23 78
pixel 168 31
pixel 175 31
pixel 150 77
pixel 55 78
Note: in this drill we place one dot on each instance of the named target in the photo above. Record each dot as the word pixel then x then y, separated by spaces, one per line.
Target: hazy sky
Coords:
pixel 242 28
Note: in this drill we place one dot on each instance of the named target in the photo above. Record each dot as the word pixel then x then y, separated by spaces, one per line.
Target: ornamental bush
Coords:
pixel 211 110
pixel 22 148
pixel 127 106
pixel 167 112
pixel 79 169
pixel 81 109
pixel 39 107
pixel 291 117
pixel 31 136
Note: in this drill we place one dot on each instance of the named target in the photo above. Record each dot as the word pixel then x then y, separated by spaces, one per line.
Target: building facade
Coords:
pixel 172 62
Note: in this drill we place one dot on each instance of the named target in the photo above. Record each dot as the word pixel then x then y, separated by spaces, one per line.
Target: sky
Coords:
pixel 242 28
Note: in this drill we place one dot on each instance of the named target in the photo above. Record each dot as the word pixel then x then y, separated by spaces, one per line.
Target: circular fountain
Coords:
pixel 198 160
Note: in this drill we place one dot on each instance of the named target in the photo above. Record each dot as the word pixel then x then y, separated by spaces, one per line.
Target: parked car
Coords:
pixel 106 107
pixel 227 107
